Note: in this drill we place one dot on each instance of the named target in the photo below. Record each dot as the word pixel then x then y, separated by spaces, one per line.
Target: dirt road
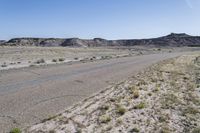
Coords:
pixel 29 95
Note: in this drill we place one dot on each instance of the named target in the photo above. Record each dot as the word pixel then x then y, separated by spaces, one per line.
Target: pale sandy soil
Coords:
pixel 17 57
pixel 165 98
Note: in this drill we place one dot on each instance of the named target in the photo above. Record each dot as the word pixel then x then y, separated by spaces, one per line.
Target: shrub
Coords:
pixel 3 65
pixel 40 61
pixel 54 60
pixel 15 130
pixel 61 59
pixel 159 49
pixel 134 130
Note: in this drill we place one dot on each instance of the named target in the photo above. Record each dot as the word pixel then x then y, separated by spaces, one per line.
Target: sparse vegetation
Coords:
pixel 135 91
pixel 165 130
pixel 54 60
pixel 40 61
pixel 15 130
pixel 157 100
pixel 169 100
pixel 3 65
pixel 196 130
pixel 120 110
pixel 162 118
pixel 61 59
pixel 134 130
pixel 141 105
pixel 104 119
pixel 190 110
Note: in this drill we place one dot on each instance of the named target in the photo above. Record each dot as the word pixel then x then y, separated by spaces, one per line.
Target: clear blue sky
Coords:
pixel 110 19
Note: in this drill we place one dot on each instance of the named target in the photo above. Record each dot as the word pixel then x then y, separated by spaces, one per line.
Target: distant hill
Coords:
pixel 176 40
pixel 2 41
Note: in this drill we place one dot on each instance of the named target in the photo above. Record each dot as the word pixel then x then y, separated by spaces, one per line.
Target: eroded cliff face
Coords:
pixel 176 40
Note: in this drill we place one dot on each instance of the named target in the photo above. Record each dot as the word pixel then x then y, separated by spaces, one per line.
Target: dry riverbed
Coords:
pixel 164 98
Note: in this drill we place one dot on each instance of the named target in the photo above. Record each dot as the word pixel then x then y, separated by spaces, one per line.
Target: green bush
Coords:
pixel 15 130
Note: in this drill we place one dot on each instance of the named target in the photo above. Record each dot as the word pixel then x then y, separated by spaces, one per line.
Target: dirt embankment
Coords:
pixel 164 98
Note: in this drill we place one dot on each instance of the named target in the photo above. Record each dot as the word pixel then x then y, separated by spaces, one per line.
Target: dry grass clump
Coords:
pixel 120 110
pixel 141 105
pixel 104 119
pixel 135 91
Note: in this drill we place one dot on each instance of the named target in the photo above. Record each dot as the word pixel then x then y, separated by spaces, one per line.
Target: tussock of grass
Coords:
pixel 120 110
pixel 104 119
pixel 140 106
pixel 135 91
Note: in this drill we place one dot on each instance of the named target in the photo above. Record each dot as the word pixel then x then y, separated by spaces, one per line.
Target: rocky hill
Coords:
pixel 173 39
